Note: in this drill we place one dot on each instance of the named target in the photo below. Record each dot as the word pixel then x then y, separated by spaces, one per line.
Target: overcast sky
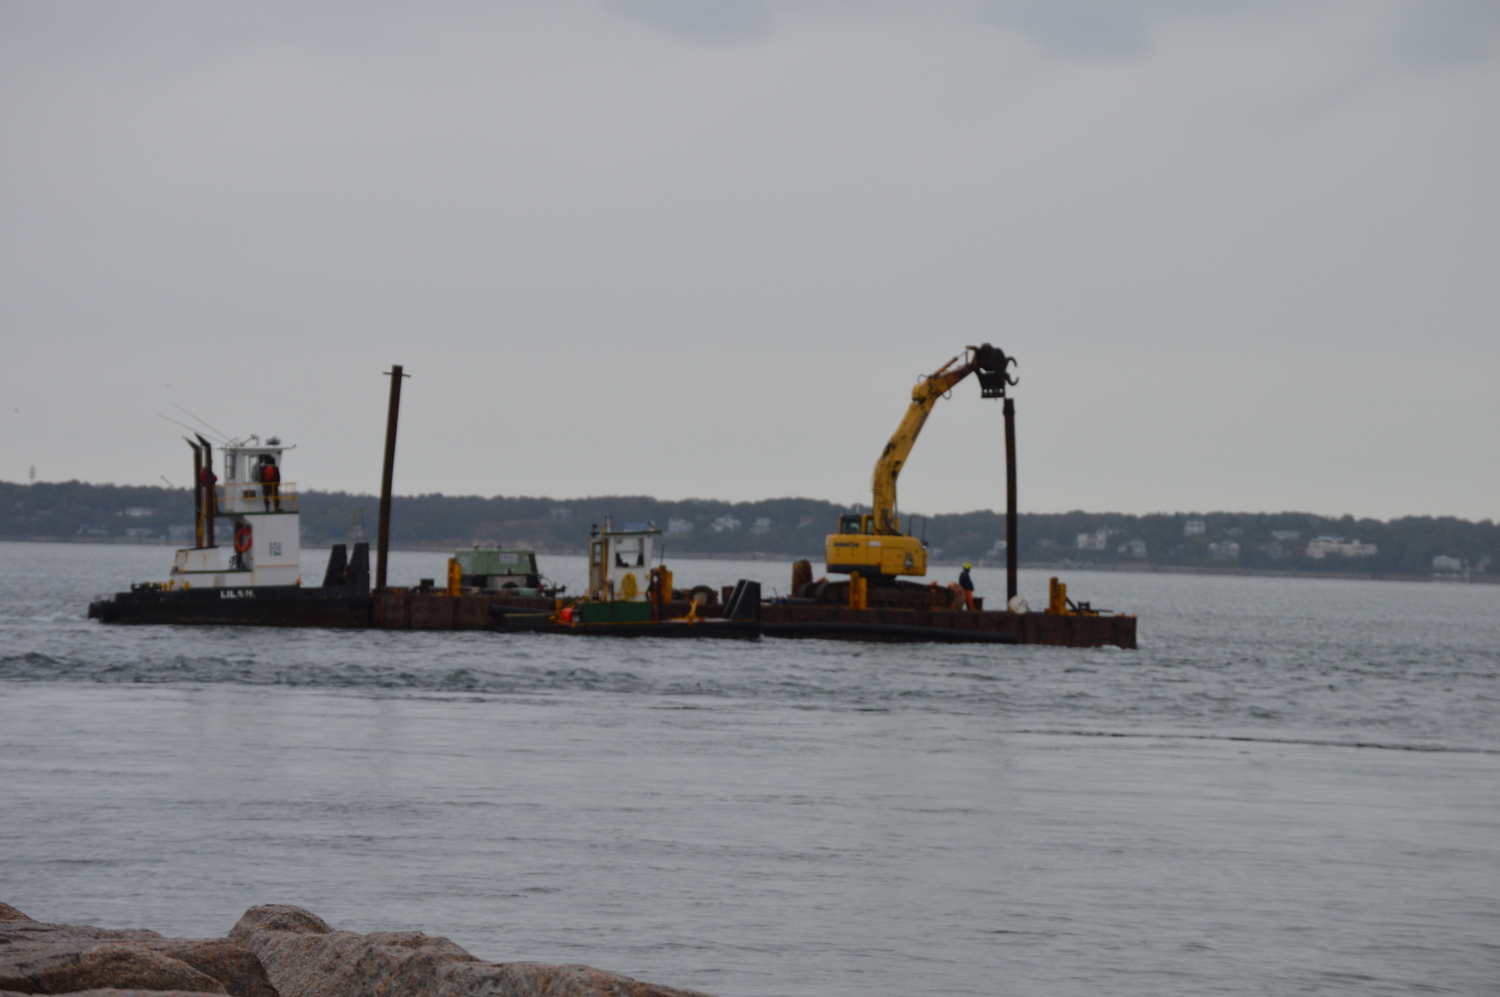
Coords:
pixel 1248 253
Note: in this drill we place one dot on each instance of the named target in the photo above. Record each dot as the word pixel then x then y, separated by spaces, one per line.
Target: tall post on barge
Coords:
pixel 1010 500
pixel 383 536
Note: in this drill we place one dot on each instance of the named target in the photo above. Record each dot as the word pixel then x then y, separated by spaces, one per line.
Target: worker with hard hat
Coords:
pixel 966 584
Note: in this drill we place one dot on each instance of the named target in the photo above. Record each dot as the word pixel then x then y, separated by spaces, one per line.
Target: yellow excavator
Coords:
pixel 871 544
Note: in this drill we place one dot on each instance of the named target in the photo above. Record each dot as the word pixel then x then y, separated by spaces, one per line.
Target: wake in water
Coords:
pixel 1412 704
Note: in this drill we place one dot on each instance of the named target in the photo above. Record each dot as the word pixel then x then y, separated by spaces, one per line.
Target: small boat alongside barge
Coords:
pixel 628 597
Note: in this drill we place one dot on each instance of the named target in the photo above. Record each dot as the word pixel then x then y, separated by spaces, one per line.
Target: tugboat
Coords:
pixel 256 579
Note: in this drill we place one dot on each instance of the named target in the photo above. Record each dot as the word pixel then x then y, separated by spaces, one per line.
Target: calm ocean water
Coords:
pixel 1292 787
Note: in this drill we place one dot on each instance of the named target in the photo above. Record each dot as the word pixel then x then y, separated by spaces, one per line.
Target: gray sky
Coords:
pixel 1247 252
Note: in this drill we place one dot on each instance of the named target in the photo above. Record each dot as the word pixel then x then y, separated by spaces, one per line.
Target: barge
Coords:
pixel 244 569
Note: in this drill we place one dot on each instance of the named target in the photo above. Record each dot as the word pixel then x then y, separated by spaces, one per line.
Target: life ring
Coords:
pixel 242 538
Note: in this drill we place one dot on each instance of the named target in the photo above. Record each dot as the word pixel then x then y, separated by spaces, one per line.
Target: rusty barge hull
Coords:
pixel 840 623
pixel 415 610
pixel 421 611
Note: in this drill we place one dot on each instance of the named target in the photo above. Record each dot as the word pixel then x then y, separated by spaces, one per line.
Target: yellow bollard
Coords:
pixel 859 592
pixel 1057 598
pixel 455 577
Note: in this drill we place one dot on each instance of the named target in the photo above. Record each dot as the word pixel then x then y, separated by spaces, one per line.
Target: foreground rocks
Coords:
pixel 278 951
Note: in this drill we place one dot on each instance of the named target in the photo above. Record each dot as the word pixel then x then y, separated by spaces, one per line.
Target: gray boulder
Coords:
pixel 278 951
pixel 306 958
pixel 113 992
pixel 39 958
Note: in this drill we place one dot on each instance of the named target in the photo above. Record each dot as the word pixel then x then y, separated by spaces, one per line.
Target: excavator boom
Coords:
pixel 923 397
pixel 874 544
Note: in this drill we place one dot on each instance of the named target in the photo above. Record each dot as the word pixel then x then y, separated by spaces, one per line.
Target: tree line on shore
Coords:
pixel 793 527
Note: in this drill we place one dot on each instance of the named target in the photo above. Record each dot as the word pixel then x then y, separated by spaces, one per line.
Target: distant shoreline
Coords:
pixel 1283 543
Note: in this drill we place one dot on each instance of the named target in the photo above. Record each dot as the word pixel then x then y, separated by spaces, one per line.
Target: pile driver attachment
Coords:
pixel 990 363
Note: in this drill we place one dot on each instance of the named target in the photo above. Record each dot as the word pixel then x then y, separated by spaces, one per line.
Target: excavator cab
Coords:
pixel 856 523
pixel 875 556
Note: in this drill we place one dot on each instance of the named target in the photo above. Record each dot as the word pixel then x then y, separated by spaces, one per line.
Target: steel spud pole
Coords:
pixel 383 535
pixel 1010 501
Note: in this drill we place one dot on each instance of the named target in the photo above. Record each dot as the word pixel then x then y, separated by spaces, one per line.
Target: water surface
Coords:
pixel 1290 788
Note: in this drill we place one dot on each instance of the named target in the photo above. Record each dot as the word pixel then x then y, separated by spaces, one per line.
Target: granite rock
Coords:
pixel 65 969
pixel 278 951
pixel 115 992
pixel 73 958
pixel 306 958
pixel 232 965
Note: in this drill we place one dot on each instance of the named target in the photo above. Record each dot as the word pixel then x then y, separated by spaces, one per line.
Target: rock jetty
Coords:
pixel 278 950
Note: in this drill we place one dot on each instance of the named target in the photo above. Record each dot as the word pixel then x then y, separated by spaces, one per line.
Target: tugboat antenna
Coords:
pixel 190 415
pixel 183 425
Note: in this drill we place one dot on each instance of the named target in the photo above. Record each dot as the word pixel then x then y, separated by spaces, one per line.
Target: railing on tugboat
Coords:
pixel 249 496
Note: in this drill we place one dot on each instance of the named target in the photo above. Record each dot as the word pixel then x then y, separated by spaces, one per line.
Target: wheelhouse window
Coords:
pixel 629 553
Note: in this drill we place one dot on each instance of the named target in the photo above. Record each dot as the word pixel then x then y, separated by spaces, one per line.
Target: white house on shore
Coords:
pixel 1093 541
pixel 1320 547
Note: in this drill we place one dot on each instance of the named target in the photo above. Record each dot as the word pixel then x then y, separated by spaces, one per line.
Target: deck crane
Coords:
pixel 871 544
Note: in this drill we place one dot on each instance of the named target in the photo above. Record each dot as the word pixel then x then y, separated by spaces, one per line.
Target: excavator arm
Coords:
pixel 871 545
pixel 990 363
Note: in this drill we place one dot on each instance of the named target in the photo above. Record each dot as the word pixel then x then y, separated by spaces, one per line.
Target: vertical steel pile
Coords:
pixel 1010 501
pixel 383 536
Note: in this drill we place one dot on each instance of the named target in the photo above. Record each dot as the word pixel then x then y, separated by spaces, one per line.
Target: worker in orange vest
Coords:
pixel 270 482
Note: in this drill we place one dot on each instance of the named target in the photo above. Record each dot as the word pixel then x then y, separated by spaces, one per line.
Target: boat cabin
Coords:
pixel 513 572
pixel 620 562
pixel 247 526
